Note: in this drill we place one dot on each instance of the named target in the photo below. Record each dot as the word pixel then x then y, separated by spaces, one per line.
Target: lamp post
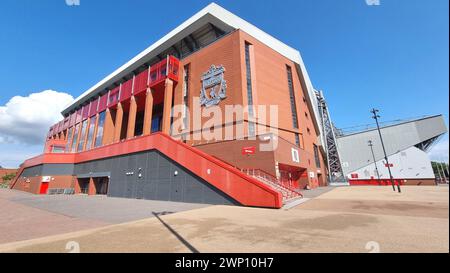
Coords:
pixel 374 160
pixel 376 116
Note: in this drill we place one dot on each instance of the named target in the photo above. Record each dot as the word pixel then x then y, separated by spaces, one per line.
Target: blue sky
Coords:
pixel 393 56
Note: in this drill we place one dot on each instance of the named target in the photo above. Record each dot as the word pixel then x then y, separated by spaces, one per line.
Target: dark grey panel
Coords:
pixel 161 179
pixel 94 175
pixel 147 175
pixel 48 169
pixel 176 191
pixel 163 190
pixel 191 193
pixel 141 175
pixel 57 169
pixel 32 171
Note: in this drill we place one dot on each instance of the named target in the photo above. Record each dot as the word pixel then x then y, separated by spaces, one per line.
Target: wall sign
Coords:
pixel 214 86
pixel 295 156
pixel 46 179
pixel 249 150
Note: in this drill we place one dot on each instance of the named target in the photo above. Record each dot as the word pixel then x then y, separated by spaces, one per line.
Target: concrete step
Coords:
pixel 285 192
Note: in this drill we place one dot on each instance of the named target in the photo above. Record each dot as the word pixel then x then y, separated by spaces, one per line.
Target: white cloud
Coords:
pixel 26 120
pixel 440 150
pixel 11 156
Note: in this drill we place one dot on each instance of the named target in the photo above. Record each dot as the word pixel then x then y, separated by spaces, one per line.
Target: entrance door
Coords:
pixel 101 185
pixel 83 183
pixel 44 188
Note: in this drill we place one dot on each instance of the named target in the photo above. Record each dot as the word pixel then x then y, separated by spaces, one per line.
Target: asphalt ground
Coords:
pixel 345 219
pixel 26 216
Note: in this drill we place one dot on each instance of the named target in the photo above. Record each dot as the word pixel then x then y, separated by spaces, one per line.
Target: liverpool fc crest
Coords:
pixel 214 86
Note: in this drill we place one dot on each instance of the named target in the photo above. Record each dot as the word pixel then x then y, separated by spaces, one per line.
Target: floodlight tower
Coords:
pixel 335 170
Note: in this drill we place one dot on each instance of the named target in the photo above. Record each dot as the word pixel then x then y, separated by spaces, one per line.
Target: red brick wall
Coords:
pixel 270 87
pixel 33 184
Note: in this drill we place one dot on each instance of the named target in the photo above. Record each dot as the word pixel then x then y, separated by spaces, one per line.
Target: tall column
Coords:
pixel 119 119
pixel 76 185
pixel 168 96
pixel 148 112
pixel 92 190
pixel 132 118
pixel 108 130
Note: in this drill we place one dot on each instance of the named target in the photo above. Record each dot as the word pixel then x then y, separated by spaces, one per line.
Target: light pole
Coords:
pixel 376 116
pixel 374 160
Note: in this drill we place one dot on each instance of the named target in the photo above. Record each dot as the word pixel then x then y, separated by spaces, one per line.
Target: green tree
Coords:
pixel 440 170
pixel 8 178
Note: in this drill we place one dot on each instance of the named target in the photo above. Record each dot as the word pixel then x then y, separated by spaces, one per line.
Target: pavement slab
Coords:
pixel 353 219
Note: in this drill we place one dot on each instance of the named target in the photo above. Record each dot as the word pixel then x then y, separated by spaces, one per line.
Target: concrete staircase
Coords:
pixel 288 193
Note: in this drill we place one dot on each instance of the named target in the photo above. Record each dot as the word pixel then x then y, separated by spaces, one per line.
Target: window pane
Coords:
pixel 156 124
pixel 91 132
pixel 292 98
pixel 75 138
pixel 251 127
pixel 297 140
pixel 57 149
pixel 186 95
pixel 101 124
pixel 82 135
pixel 69 139
pixel 316 156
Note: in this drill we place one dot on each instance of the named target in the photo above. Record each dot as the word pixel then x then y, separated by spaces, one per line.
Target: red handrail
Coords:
pixel 283 183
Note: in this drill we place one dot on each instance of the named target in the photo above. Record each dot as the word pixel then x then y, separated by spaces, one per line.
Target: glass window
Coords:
pixel 91 132
pixel 100 127
pixel 251 129
pixel 297 140
pixel 251 125
pixel 186 95
pixel 57 149
pixel 82 136
pixel 69 140
pixel 75 138
pixel 316 156
pixel 156 124
pixel 292 97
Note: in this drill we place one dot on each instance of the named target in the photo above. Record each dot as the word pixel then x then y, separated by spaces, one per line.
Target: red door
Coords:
pixel 44 188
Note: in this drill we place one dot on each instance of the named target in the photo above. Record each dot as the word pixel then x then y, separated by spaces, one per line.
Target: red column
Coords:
pixel 132 118
pixel 168 97
pixel 148 112
pixel 118 126
pixel 92 190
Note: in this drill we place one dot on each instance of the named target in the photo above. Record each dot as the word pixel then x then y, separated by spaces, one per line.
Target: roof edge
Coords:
pixel 223 15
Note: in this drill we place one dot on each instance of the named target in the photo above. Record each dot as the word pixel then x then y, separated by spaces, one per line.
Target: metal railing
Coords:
pixel 284 183
pixel 61 191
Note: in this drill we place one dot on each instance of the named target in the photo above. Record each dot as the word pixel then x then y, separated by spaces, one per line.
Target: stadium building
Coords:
pixel 160 128
pixel 406 144
pixel 119 138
